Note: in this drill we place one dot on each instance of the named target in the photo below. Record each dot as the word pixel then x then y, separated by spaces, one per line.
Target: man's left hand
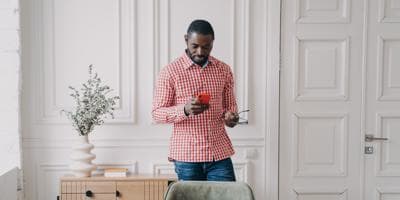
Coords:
pixel 231 119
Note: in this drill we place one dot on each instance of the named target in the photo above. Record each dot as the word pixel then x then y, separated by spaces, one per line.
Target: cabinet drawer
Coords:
pixel 73 197
pixel 142 190
pixel 83 197
pixel 97 187
pixel 102 197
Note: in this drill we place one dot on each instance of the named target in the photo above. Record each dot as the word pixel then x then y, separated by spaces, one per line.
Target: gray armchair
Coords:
pixel 209 190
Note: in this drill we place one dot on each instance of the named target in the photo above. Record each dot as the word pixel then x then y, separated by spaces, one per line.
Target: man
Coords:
pixel 199 147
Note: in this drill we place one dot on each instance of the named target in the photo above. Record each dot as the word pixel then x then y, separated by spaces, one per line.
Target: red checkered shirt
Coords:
pixel 202 137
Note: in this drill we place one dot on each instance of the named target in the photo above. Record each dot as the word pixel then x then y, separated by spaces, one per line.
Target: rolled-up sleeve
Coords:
pixel 165 109
pixel 229 101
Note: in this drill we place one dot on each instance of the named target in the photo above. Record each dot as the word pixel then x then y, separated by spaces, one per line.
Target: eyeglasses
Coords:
pixel 241 119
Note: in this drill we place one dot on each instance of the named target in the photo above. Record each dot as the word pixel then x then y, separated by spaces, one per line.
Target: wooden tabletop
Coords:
pixel 129 177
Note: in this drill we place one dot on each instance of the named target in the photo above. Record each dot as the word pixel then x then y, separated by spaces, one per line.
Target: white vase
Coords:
pixel 81 157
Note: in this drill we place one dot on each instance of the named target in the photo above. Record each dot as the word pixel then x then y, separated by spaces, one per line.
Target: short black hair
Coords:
pixel 200 26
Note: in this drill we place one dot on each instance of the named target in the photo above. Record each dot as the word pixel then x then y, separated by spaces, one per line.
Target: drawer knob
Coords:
pixel 89 193
pixel 117 193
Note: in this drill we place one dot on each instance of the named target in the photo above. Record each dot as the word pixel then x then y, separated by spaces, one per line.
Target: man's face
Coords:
pixel 199 47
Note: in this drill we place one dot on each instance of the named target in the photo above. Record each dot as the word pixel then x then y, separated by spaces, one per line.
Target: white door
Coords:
pixel 382 168
pixel 321 153
pixel 340 81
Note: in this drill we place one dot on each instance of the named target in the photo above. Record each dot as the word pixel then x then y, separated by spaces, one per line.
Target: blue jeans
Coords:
pixel 221 170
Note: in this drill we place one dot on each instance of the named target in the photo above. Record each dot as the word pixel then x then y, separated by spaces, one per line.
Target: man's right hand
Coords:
pixel 194 107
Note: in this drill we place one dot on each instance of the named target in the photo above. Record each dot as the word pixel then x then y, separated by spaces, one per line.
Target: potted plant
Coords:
pixel 92 106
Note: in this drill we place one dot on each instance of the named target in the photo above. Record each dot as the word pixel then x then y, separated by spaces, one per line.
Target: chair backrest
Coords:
pixel 209 190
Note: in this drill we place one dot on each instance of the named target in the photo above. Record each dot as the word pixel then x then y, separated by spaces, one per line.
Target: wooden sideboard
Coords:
pixel 134 187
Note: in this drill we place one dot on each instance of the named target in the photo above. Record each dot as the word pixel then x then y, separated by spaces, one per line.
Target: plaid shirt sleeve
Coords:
pixel 165 109
pixel 229 102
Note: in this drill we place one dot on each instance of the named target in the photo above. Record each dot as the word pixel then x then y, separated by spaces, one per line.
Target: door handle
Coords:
pixel 370 138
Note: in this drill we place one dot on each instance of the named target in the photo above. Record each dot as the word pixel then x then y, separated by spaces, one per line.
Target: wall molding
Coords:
pixel 272 95
pixel 45 135
pixel 240 52
pixel 46 109
pixel 241 169
pixel 161 16
pixel 241 61
pixel 38 143
pixel 163 168
pixel 41 170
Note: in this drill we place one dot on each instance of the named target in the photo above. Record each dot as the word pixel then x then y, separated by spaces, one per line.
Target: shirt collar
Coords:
pixel 189 62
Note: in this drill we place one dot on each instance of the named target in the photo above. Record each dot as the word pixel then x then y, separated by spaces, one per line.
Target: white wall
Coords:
pixel 128 42
pixel 9 85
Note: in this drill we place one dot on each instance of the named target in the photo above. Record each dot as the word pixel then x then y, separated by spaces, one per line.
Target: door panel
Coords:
pixel 320 145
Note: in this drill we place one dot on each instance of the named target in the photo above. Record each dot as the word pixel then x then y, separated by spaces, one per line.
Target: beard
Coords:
pixel 200 60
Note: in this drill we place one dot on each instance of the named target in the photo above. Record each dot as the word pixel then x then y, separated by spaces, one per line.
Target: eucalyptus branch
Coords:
pixel 92 105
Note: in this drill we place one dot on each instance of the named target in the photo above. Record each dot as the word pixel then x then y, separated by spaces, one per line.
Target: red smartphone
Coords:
pixel 204 98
